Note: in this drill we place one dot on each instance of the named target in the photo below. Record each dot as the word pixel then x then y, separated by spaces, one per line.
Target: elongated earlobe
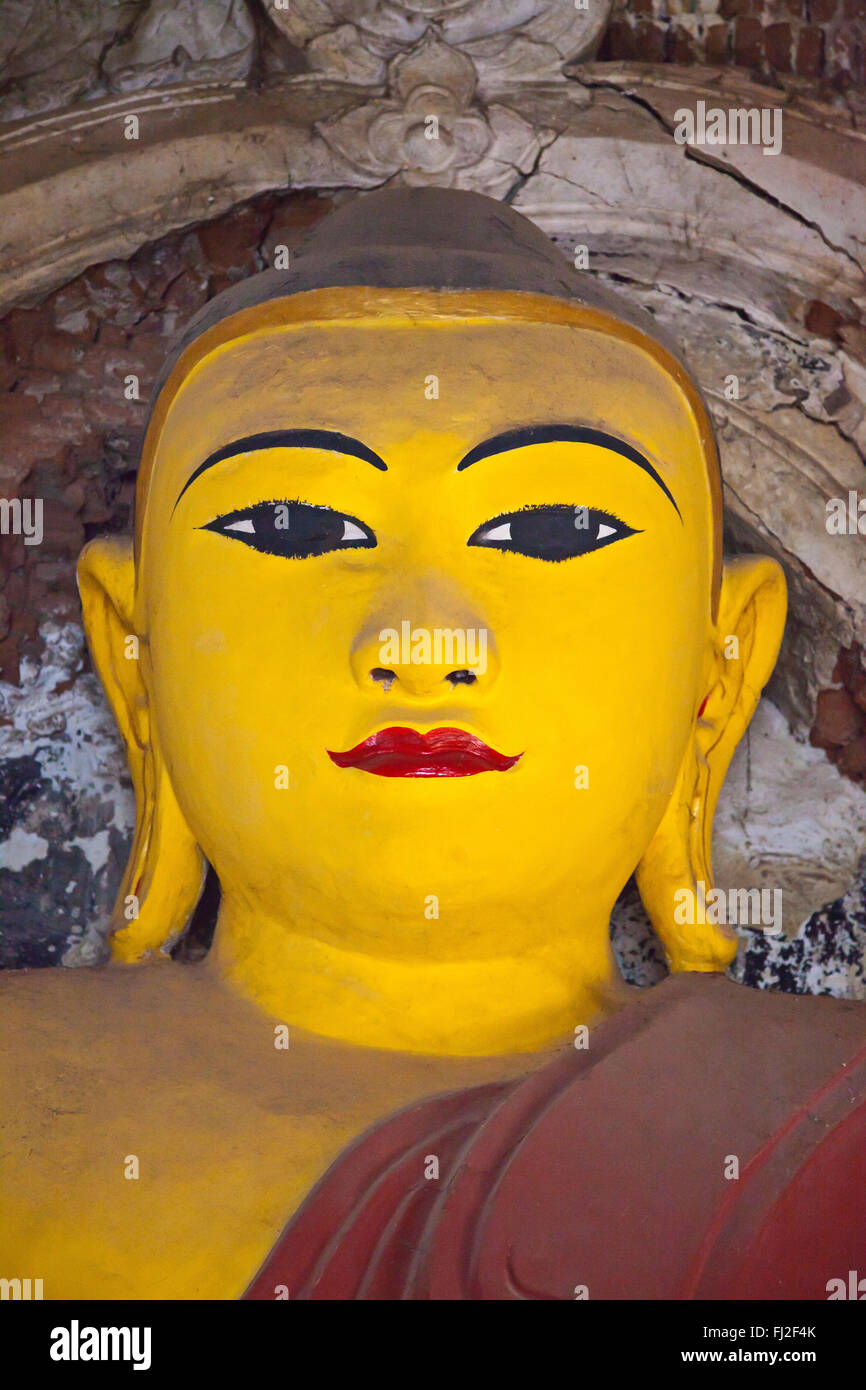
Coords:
pixel 165 872
pixel 746 642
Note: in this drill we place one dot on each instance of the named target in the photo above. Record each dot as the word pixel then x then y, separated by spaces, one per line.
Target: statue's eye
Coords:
pixel 295 530
pixel 552 533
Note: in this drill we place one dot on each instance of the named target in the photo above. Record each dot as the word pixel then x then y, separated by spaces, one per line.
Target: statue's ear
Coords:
pixel 165 871
pixel 740 661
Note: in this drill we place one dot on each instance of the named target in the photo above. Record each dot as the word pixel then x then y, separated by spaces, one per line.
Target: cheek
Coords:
pixel 243 689
pixel 606 683
pixel 242 627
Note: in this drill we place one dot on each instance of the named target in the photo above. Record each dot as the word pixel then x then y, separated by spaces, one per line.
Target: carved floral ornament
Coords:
pixel 508 40
pixel 426 130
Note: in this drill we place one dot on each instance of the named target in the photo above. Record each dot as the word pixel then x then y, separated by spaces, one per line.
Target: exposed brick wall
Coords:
pixel 70 435
pixel 818 39
pixel 840 717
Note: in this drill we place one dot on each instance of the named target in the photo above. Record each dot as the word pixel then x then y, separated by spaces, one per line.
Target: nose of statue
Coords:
pixel 424 646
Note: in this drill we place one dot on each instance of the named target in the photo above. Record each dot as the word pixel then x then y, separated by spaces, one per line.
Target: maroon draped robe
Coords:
pixel 605 1170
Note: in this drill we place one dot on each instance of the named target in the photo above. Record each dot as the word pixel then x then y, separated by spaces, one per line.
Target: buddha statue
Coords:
pixel 426 644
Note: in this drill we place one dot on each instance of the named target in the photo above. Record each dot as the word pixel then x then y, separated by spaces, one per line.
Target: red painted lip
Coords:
pixel 399 752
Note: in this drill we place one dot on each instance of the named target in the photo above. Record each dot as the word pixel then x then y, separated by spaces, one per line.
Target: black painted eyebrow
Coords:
pixel 568 434
pixel 289 439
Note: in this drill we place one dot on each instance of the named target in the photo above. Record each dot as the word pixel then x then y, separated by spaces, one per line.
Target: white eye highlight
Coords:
pixel 605 531
pixel 498 533
pixel 246 525
pixel 351 532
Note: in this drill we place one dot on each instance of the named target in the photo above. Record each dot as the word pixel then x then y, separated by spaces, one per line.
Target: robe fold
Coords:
pixel 710 1142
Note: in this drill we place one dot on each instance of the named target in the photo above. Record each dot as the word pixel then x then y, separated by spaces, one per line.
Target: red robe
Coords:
pixel 709 1143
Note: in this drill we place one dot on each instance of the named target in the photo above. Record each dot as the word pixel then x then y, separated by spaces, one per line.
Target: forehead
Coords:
pixel 388 379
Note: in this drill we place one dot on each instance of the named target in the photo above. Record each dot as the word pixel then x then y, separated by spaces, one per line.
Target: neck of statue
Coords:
pixel 479 1007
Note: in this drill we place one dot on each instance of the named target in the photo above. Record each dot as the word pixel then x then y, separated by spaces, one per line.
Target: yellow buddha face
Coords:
pixel 425 642
pixel 531 495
